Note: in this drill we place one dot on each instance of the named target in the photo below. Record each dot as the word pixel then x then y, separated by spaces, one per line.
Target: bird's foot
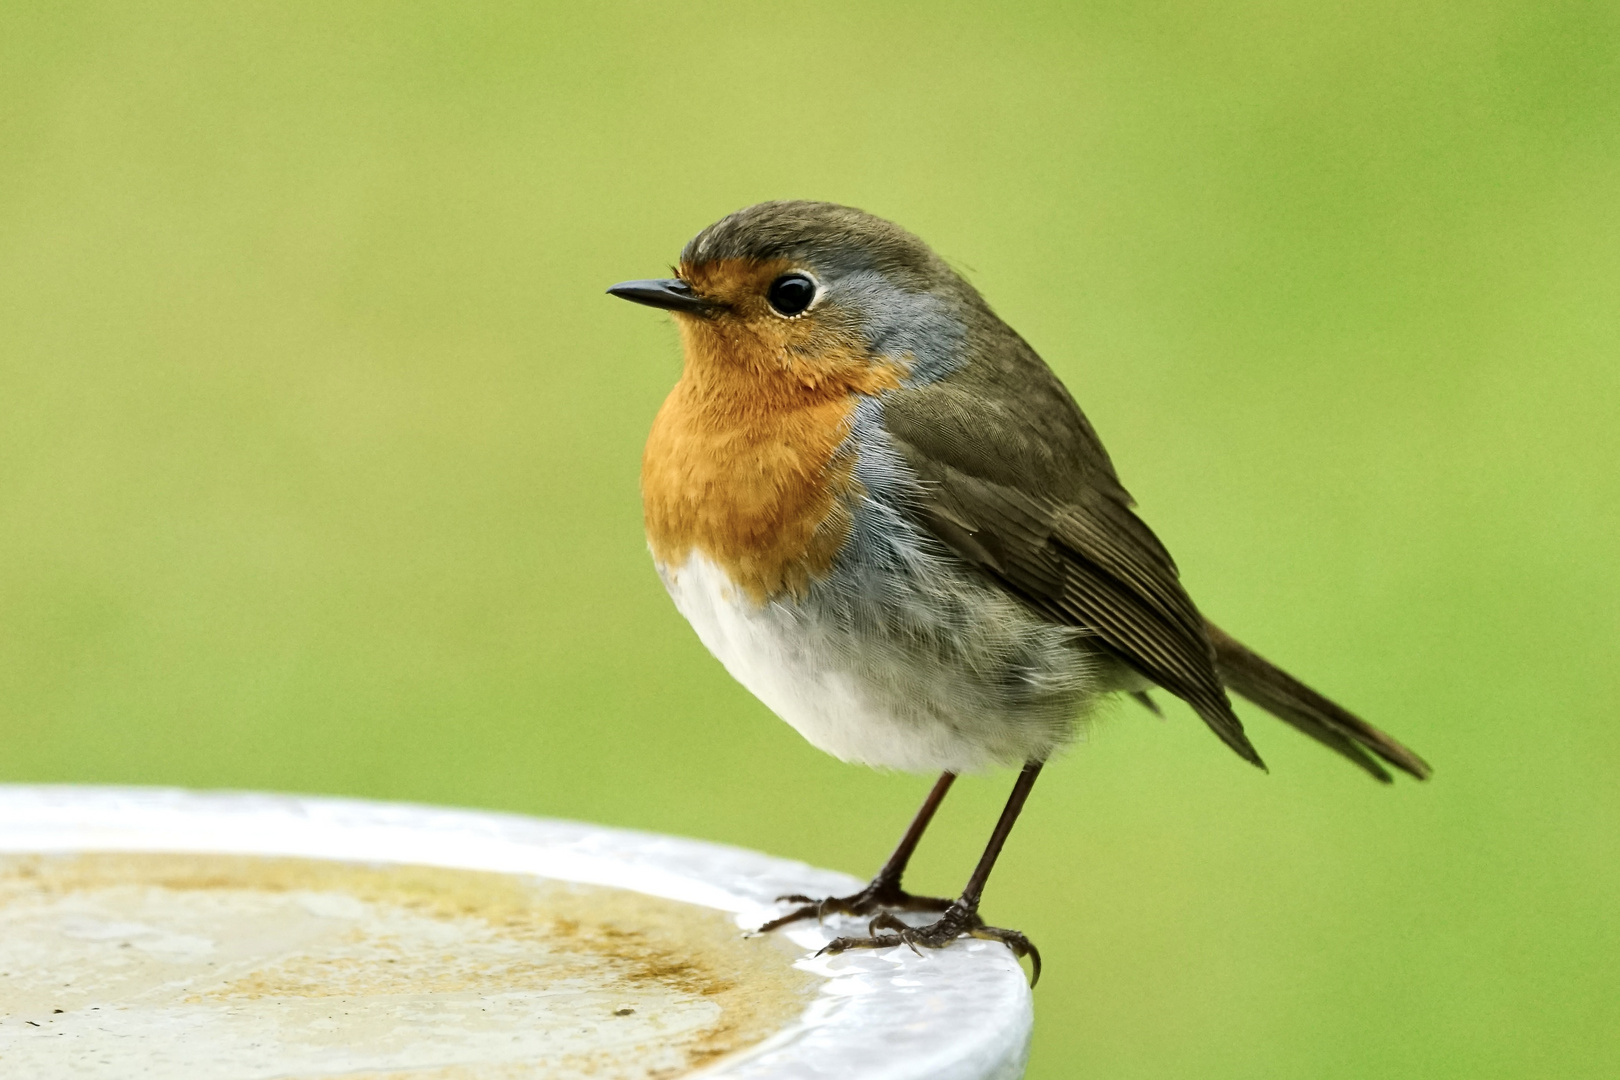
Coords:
pixel 959 920
pixel 879 896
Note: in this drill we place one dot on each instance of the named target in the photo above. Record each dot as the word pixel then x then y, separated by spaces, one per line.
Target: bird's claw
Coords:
pixel 958 921
pixel 878 897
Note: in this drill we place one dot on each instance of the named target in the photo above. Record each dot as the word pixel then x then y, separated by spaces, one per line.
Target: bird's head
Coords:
pixel 813 293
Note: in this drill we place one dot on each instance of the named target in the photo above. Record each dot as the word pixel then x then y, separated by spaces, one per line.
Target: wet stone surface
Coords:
pixel 148 966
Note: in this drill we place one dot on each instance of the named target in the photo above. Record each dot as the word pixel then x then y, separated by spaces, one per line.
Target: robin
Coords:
pixel 884 514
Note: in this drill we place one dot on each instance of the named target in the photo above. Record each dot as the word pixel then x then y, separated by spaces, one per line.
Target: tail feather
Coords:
pixel 1252 676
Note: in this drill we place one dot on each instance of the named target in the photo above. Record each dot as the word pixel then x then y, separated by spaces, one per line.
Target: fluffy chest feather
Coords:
pixel 875 643
pixel 748 464
pixel 776 510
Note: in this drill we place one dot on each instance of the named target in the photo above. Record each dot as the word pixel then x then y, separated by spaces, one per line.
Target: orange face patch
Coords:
pixel 744 462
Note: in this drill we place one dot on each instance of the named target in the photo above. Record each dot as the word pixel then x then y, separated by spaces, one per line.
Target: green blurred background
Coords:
pixel 320 443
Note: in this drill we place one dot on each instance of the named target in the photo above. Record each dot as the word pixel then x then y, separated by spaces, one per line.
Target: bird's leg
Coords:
pixel 884 893
pixel 962 916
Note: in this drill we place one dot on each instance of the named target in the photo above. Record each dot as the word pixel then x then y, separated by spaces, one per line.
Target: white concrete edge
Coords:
pixel 960 1013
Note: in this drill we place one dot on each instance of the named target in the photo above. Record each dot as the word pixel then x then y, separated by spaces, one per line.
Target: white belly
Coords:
pixel 927 697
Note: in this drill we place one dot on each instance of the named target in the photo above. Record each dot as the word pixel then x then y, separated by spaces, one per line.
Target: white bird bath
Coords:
pixel 156 934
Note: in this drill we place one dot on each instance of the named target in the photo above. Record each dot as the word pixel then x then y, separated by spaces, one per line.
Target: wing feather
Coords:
pixel 1059 533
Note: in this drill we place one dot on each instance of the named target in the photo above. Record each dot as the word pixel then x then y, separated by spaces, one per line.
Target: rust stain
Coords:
pixel 610 936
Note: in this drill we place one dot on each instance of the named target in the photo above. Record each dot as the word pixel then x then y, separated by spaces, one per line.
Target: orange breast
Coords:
pixel 746 464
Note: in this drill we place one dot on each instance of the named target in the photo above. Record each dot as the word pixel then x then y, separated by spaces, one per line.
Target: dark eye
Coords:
pixel 791 293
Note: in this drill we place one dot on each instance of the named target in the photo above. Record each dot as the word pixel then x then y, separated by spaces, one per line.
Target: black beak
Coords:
pixel 672 294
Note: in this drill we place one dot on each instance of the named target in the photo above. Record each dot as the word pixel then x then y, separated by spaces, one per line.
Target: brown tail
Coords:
pixel 1253 676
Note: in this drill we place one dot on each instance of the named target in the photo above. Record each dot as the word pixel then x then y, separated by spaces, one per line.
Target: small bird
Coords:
pixel 884 514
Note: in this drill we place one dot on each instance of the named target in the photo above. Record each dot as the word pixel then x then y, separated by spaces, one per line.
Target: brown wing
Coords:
pixel 1016 482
